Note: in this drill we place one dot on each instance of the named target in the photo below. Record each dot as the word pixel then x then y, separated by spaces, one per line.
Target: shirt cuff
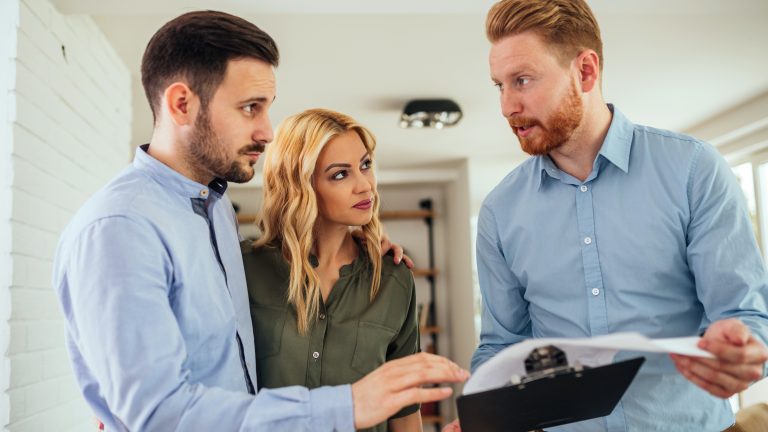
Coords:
pixel 333 405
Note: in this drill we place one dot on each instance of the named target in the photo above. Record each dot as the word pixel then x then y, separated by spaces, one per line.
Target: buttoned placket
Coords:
pixel 316 345
pixel 201 206
pixel 593 278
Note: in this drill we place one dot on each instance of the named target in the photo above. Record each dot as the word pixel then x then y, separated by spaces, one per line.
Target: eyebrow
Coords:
pixel 525 68
pixel 344 165
pixel 261 99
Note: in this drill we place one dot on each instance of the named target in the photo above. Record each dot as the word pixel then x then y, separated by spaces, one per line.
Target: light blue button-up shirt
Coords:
pixel 150 279
pixel 656 240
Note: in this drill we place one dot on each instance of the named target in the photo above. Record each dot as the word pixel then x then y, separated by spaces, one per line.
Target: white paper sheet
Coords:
pixel 591 352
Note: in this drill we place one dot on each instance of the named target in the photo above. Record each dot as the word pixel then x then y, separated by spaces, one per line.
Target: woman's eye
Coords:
pixel 366 164
pixel 339 175
pixel 498 86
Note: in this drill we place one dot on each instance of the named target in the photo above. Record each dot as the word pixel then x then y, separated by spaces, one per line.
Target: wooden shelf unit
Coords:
pixel 405 214
pixel 432 419
pixel 430 330
pixel 243 218
pixel 419 272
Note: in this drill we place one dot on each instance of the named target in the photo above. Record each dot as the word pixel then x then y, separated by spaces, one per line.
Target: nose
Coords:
pixel 363 184
pixel 510 103
pixel 262 130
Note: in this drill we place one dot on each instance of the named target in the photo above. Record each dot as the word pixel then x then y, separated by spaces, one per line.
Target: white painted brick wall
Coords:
pixel 9 18
pixel 68 135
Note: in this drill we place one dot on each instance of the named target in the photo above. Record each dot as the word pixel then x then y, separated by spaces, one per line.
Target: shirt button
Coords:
pixel 587 240
pixel 583 188
pixel 322 316
pixel 595 291
pixel 204 193
pixel 315 354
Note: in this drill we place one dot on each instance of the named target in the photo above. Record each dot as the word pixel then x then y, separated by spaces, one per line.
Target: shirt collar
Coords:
pixel 616 148
pixel 618 141
pixel 173 180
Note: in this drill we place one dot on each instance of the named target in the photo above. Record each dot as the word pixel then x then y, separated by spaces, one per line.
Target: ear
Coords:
pixel 181 104
pixel 588 66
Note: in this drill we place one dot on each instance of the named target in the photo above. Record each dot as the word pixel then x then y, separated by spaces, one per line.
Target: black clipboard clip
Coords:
pixel 553 392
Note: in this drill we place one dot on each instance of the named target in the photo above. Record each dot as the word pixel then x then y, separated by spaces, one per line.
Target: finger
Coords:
pixel 413 396
pixel 415 375
pixel 424 359
pixel 752 352
pixel 408 261
pixel 736 332
pixel 718 377
pixel 711 388
pixel 441 366
pixel 452 426
pixel 744 372
pixel 398 252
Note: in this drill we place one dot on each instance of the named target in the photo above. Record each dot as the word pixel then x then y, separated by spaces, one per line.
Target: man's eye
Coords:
pixel 339 175
pixel 250 109
pixel 522 81
pixel 498 86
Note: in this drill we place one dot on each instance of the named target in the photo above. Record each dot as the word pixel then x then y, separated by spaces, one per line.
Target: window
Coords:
pixel 763 193
pixel 745 176
pixel 752 174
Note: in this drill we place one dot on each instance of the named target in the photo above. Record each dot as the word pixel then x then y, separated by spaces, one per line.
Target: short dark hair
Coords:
pixel 197 47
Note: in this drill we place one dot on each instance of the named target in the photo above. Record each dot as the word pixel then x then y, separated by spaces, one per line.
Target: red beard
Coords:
pixel 558 130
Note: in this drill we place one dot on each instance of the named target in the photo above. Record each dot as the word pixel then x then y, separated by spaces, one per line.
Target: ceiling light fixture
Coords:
pixel 430 113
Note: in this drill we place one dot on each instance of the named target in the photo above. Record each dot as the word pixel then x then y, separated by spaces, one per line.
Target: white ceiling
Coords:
pixel 671 64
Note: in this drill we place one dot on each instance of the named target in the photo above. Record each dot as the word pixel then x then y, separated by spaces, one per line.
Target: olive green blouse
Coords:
pixel 352 336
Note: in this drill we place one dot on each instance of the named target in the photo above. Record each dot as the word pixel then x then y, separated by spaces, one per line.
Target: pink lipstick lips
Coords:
pixel 364 204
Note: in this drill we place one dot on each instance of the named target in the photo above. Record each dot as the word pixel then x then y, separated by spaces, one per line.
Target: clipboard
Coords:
pixel 549 401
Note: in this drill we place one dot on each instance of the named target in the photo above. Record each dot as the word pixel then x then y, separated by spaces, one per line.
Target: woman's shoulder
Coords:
pixel 261 255
pixel 399 274
pixel 249 247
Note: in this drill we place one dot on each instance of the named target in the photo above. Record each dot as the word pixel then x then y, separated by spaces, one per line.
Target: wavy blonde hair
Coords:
pixel 289 207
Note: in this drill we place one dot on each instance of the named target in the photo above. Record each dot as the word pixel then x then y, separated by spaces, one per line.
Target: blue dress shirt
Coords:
pixel 656 240
pixel 150 278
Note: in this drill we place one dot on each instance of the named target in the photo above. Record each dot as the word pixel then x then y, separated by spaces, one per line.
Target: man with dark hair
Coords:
pixel 149 272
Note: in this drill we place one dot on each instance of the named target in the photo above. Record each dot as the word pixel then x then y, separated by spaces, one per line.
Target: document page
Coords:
pixel 591 352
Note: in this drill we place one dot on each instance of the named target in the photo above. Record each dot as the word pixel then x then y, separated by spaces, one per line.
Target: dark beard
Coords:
pixel 559 128
pixel 209 154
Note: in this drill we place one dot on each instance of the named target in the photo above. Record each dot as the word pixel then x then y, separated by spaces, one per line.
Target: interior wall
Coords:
pixel 9 21
pixel 460 272
pixel 71 132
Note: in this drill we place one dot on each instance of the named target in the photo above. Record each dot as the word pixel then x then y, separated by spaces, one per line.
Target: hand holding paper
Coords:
pixel 738 360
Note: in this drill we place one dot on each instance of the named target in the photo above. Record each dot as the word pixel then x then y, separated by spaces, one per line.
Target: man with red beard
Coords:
pixel 149 272
pixel 612 227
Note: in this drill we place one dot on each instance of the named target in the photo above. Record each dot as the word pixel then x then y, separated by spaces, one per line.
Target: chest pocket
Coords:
pixel 371 346
pixel 268 323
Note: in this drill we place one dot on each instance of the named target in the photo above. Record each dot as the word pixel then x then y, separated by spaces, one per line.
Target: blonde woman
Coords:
pixel 327 309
